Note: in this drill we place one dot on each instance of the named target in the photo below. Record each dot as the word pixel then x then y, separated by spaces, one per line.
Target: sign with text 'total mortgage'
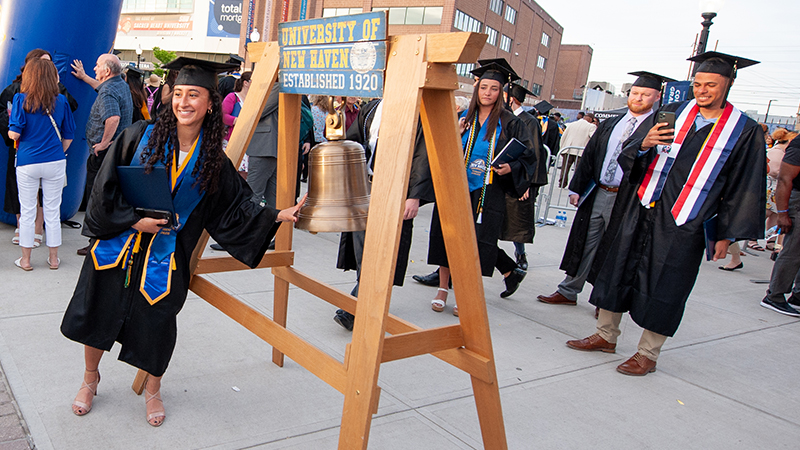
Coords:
pixel 344 55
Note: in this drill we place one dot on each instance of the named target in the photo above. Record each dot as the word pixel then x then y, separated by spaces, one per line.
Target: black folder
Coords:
pixel 149 193
pixel 513 150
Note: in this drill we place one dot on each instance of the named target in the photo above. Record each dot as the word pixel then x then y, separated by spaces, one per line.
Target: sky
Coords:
pixel 657 36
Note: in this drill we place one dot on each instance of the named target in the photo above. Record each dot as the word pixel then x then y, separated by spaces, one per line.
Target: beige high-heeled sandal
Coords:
pixel 83 408
pixel 154 419
pixel 437 304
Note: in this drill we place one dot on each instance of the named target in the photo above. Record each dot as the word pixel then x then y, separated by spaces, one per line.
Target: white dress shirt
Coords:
pixel 613 141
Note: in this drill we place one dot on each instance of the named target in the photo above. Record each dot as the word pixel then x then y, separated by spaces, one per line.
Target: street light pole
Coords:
pixel 701 44
pixel 768 105
pixel 138 56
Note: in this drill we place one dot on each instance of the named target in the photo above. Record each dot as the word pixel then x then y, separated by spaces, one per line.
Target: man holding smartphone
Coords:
pixel 597 179
pixel 710 176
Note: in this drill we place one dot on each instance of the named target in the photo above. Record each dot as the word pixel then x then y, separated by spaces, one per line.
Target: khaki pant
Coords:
pixel 608 328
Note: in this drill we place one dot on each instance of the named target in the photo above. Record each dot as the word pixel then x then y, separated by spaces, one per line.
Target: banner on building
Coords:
pixel 224 18
pixel 155 24
pixel 676 91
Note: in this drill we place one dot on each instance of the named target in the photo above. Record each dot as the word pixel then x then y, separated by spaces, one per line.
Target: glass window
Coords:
pixel 465 22
pixel 414 16
pixel 157 6
pixel 525 84
pixel 433 15
pixel 465 69
pixel 545 39
pixel 505 43
pixel 541 62
pixel 397 16
pixel 536 89
pixel 492 33
pixel 511 14
pixel 496 6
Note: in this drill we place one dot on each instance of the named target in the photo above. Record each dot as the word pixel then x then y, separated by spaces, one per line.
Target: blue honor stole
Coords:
pixel 157 273
pixel 476 146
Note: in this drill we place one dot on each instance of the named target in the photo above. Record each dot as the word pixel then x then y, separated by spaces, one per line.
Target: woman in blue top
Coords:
pixel 41 123
pixel 486 127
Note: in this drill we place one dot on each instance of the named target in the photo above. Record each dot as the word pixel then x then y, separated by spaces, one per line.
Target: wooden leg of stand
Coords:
pixel 279 309
pixel 138 382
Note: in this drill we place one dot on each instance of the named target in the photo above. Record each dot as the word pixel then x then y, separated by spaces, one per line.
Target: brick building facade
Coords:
pixel 571 75
pixel 519 31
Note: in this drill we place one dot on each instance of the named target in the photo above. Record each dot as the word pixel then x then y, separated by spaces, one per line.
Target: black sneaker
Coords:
pixel 780 307
pixel 522 261
pixel 345 319
pixel 512 282
pixel 794 301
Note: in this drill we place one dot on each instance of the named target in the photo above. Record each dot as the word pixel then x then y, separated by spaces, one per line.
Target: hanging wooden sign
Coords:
pixel 344 55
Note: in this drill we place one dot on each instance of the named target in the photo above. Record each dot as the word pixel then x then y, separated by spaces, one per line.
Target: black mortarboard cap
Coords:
pixel 518 91
pixel 115 52
pixel 198 72
pixel 721 63
pixel 235 59
pixel 543 107
pixel 134 72
pixel 496 69
pixel 650 80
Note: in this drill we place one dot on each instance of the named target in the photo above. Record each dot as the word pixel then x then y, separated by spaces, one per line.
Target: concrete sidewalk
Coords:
pixel 725 381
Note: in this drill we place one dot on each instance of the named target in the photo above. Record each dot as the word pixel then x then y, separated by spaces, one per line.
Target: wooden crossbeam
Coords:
pixel 313 359
pixel 217 264
pixel 414 343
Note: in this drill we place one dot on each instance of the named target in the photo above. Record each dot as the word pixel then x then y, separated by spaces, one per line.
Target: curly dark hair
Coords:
pixel 211 158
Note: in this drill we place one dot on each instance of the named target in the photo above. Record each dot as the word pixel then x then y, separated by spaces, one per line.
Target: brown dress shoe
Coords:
pixel 593 343
pixel 556 299
pixel 638 365
pixel 85 250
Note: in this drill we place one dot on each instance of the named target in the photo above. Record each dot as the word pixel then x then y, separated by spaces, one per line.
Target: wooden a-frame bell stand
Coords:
pixel 420 79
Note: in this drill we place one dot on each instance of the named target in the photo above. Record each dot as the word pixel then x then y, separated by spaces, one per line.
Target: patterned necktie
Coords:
pixel 611 170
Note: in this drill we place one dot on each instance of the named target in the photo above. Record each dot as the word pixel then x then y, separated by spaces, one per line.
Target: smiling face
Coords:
pixel 709 89
pixel 190 104
pixel 488 91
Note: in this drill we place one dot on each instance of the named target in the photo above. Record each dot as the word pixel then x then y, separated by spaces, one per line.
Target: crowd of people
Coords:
pixel 647 196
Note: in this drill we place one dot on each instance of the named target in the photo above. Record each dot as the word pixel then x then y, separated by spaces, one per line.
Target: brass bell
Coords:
pixel 338 192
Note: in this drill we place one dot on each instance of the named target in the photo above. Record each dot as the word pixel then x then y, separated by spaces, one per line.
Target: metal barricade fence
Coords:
pixel 556 196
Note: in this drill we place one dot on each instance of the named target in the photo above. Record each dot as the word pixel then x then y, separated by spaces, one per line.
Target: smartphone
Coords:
pixel 156 214
pixel 669 118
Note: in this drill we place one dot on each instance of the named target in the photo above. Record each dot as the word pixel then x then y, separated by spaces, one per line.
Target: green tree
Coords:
pixel 164 57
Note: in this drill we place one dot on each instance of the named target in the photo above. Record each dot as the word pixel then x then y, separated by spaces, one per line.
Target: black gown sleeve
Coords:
pixel 241 226
pixel 6 97
pixel 742 212
pixel 585 169
pixel 73 104
pixel 107 212
pixel 420 183
pixel 519 180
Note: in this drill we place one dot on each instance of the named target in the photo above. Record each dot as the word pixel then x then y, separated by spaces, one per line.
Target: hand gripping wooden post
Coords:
pixel 420 80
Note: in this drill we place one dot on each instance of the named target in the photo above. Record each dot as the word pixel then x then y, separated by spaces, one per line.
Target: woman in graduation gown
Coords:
pixel 486 127
pixel 136 277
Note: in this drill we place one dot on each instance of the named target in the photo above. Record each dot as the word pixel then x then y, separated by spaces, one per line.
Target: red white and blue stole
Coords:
pixel 157 273
pixel 709 161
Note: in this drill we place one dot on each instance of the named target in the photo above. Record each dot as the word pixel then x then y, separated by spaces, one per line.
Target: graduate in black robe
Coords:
pixel 487 190
pixel 649 258
pixel 420 192
pixel 520 223
pixel 112 302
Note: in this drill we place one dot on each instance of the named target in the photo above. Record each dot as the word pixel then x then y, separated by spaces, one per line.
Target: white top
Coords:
pixel 577 134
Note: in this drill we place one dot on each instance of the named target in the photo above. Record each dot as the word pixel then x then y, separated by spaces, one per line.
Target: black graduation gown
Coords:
pixel 648 265
pixel 420 186
pixel 588 171
pixel 552 136
pixel 494 206
pixel 11 200
pixel 102 310
pixel 520 223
